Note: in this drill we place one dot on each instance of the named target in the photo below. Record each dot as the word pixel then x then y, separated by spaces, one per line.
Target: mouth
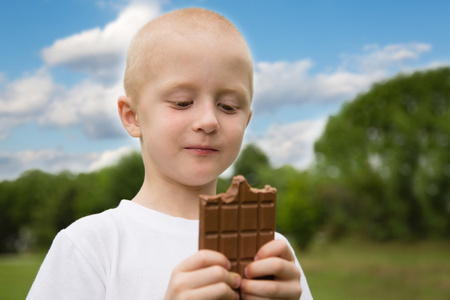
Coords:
pixel 202 150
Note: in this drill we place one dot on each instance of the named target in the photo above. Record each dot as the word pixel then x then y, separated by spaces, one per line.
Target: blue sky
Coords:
pixel 61 65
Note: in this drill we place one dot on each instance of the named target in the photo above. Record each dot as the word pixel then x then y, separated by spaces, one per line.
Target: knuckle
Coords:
pixel 278 266
pixel 298 275
pixel 202 256
pixel 186 296
pixel 218 273
pixel 272 289
pixel 296 290
pixel 222 289
pixel 178 285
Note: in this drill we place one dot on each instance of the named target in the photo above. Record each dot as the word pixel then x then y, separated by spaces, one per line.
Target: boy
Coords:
pixel 189 87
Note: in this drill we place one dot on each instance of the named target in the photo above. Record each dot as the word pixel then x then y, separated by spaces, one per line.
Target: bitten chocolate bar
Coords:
pixel 237 223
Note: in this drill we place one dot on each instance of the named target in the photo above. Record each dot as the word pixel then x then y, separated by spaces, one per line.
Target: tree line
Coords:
pixel 381 172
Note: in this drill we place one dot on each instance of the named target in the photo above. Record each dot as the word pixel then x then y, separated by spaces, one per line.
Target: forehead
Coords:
pixel 201 55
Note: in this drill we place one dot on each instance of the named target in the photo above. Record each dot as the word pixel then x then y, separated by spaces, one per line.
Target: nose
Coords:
pixel 206 119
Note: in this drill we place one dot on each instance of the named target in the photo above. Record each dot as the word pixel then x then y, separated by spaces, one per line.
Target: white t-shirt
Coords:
pixel 127 252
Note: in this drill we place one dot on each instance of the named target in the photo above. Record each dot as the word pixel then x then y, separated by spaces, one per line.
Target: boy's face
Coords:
pixel 194 110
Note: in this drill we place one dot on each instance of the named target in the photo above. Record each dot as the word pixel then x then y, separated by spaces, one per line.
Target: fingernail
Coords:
pixel 238 282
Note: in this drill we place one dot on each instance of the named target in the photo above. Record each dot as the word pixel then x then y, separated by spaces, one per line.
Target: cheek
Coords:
pixel 241 126
pixel 162 125
pixel 173 120
pixel 235 136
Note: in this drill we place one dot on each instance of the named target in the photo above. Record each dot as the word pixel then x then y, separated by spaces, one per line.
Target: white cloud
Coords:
pixel 109 157
pixel 54 161
pixel 88 105
pixel 26 95
pixel 101 52
pixel 290 143
pixel 278 84
pixel 284 83
pixel 390 57
pixel 24 99
pixel 13 164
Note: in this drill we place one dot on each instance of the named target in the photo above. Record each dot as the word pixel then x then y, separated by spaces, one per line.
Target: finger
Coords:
pixel 275 248
pixel 252 297
pixel 208 276
pixel 203 259
pixel 215 291
pixel 263 289
pixel 276 266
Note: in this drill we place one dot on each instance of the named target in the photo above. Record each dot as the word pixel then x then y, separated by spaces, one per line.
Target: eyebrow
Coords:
pixel 174 86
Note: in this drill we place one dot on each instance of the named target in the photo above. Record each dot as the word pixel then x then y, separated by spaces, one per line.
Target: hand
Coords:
pixel 203 275
pixel 274 258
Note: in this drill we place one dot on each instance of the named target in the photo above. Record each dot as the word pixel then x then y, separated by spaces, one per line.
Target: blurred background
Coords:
pixel 351 125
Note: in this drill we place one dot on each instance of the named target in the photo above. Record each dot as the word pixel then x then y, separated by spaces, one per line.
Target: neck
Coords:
pixel 171 198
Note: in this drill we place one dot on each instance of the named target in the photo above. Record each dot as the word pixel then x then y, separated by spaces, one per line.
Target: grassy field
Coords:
pixel 346 270
pixel 352 270
pixel 17 273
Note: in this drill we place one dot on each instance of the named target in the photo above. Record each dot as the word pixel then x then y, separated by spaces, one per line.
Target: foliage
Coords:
pixel 384 160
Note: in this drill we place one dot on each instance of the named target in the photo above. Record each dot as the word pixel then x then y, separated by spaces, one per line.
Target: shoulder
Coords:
pixel 76 262
pixel 91 223
pixel 90 239
pixel 92 230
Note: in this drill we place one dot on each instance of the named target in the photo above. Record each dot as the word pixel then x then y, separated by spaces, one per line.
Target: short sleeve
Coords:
pixel 67 274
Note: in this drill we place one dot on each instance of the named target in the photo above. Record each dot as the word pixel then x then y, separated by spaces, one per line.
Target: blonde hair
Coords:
pixel 193 21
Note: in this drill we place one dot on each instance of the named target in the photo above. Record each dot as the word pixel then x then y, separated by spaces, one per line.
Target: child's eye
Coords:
pixel 181 104
pixel 227 108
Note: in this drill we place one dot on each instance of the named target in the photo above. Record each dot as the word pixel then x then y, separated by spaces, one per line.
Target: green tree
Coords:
pixel 389 150
pixel 12 214
pixel 250 162
pixel 103 189
pixel 126 177
pixel 31 211
pixel 297 212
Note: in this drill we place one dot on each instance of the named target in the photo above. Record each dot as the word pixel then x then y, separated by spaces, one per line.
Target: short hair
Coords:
pixel 192 21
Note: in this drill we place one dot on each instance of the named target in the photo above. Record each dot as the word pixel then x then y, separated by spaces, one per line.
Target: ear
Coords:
pixel 249 116
pixel 128 116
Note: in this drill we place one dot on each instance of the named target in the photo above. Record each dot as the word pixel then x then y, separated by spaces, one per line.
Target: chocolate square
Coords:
pixel 237 223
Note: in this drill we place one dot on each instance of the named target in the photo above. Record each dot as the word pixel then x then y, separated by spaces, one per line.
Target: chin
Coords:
pixel 200 179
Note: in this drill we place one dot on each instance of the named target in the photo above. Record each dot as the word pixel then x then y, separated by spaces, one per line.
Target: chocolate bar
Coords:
pixel 237 223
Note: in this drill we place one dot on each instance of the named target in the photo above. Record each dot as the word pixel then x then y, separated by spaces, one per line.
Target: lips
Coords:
pixel 204 150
